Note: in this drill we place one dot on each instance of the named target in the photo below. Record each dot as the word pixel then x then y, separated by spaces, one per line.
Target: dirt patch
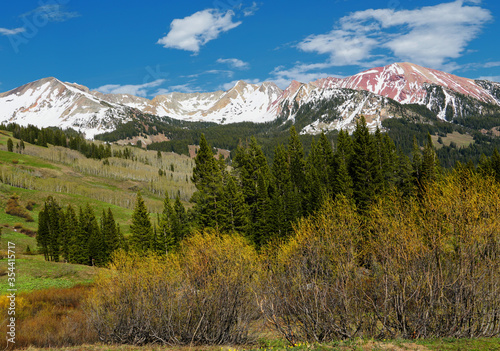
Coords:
pixel 374 345
pixel 193 149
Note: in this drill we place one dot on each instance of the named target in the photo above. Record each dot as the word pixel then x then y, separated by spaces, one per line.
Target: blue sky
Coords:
pixel 150 47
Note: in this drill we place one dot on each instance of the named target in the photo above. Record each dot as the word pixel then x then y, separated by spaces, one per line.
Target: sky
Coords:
pixel 152 47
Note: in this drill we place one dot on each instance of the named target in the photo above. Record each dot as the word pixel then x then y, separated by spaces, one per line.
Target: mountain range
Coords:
pixel 336 102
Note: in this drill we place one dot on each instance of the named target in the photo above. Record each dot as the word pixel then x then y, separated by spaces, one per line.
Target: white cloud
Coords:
pixel 301 72
pixel 52 13
pixel 491 64
pixel 430 36
pixel 490 78
pixel 182 88
pixel 250 11
pixel 234 63
pixel 5 31
pixel 137 90
pixel 191 32
pixel 212 71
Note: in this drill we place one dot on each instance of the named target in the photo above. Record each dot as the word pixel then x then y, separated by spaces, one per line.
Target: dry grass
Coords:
pixel 461 140
pixel 49 318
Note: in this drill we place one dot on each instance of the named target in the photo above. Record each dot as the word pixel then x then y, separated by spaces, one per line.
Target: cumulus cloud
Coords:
pixel 192 32
pixel 430 36
pixel 5 31
pixel 137 90
pixel 234 63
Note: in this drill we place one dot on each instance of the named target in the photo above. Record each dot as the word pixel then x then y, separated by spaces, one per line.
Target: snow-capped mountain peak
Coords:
pixel 50 102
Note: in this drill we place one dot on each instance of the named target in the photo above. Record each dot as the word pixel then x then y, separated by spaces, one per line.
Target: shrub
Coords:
pixel 28 232
pixel 13 208
pixel 202 295
pixel 30 205
pixel 311 289
pixel 15 162
pixel 50 318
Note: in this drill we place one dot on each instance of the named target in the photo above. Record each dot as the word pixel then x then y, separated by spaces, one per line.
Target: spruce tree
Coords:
pixel 10 145
pixel 250 163
pixel 342 181
pixel 70 229
pixel 363 167
pixel 43 233
pixel 235 210
pixel 181 225
pixel 95 244
pixel 283 202
pixel 325 163
pixel 314 190
pixel 495 164
pixel 166 238
pixel 261 227
pixel 141 228
pixel 430 163
pixel 207 177
pixel 78 248
pixel 416 163
pixel 110 234
pixel 296 160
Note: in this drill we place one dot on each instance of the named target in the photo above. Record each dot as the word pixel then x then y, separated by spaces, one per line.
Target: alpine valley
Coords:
pixel 397 91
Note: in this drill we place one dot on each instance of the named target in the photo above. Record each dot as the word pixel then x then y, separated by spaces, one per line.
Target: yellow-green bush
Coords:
pixel 200 295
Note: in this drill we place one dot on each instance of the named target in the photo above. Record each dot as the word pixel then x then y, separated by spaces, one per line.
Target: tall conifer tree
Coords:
pixel 141 228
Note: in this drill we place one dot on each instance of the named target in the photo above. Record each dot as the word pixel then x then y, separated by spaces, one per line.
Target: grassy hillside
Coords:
pixel 73 179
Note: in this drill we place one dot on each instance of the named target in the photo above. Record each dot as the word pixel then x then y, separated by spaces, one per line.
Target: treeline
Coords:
pixel 162 236
pixel 263 201
pixel 412 267
pixel 403 131
pixel 83 239
pixel 57 137
pixel 64 235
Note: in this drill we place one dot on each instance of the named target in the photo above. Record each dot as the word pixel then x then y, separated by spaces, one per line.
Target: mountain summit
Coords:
pixel 50 102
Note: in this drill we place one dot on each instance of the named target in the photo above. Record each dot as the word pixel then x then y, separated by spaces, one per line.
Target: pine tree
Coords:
pixel 235 210
pixel 261 227
pixel 95 245
pixel 495 164
pixel 296 160
pixel 10 145
pixel 43 233
pixel 181 224
pixel 314 190
pixel 342 181
pixel 416 163
pixel 430 163
pixel 363 168
pixel 70 229
pixel 22 146
pixel 324 163
pixel 142 231
pixel 250 163
pixel 404 179
pixel 78 248
pixel 166 238
pixel 207 177
pixel 284 207
pixel 110 234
